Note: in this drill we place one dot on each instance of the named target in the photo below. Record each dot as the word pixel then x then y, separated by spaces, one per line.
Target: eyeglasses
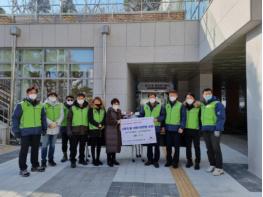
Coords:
pixel 70 100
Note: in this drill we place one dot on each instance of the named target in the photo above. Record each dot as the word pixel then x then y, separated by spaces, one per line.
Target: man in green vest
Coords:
pixel 63 128
pixel 174 125
pixel 213 120
pixel 28 123
pixel 191 131
pixel 55 115
pixel 153 109
pixel 77 129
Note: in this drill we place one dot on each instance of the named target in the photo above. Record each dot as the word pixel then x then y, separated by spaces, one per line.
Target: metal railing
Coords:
pixel 192 9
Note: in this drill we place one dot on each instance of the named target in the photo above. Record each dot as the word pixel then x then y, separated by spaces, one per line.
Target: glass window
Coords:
pixel 62 70
pixel 80 85
pixel 81 55
pixel 55 55
pixel 5 70
pixel 51 71
pixel 5 55
pixel 58 86
pixel 30 55
pixel 30 70
pixel 81 71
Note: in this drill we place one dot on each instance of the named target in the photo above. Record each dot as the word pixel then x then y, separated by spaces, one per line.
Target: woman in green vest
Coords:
pixel 55 115
pixel 192 126
pixel 96 118
pixel 77 129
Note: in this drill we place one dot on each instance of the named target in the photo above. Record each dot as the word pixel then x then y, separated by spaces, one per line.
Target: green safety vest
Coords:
pixel 208 114
pixel 173 114
pixel 31 116
pixel 155 112
pixel 80 116
pixel 53 111
pixel 98 116
pixel 192 118
pixel 64 122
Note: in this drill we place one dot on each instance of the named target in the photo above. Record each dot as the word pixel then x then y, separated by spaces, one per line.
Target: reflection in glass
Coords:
pixel 51 71
pixel 30 55
pixel 30 70
pixel 55 55
pixel 80 85
pixel 5 70
pixel 81 71
pixel 58 86
pixel 5 55
pixel 62 70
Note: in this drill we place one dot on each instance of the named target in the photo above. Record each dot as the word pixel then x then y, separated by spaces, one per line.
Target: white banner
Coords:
pixel 137 131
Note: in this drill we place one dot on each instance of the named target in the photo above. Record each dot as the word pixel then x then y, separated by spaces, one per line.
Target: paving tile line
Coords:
pixel 182 181
pixel 7 149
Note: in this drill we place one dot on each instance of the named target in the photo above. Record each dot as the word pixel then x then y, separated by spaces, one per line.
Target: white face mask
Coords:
pixel 52 99
pixel 115 107
pixel 32 96
pixel 152 100
pixel 189 101
pixel 172 98
pixel 80 101
pixel 70 102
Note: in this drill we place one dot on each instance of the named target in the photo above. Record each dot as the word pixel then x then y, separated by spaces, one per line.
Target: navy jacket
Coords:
pixel 220 114
pixel 17 114
pixel 160 118
pixel 174 128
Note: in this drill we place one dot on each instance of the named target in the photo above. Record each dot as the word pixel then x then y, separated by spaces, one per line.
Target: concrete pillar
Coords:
pixel 254 99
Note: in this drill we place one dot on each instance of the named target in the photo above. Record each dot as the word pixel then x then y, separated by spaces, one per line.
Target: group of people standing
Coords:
pixel 84 124
pixel 80 123
pixel 189 118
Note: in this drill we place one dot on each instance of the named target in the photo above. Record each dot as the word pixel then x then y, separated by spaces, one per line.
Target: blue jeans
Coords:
pixel 48 142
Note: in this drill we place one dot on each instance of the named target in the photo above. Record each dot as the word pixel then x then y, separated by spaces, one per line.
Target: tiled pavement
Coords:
pixel 129 179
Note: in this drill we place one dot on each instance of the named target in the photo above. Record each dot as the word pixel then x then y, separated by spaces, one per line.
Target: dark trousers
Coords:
pixel 65 140
pixel 154 157
pixel 74 141
pixel 192 136
pixel 26 141
pixel 213 149
pixel 95 142
pixel 173 140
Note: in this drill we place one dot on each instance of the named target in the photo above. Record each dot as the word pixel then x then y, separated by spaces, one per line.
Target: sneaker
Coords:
pixel 189 164
pixel 52 163
pixel 24 173
pixel 84 163
pixel 156 164
pixel 168 164
pixel 73 165
pixel 210 169
pixel 197 167
pixel 38 169
pixel 218 172
pixel 148 163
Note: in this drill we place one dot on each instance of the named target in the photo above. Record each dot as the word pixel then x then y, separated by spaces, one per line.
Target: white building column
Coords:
pixel 254 99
